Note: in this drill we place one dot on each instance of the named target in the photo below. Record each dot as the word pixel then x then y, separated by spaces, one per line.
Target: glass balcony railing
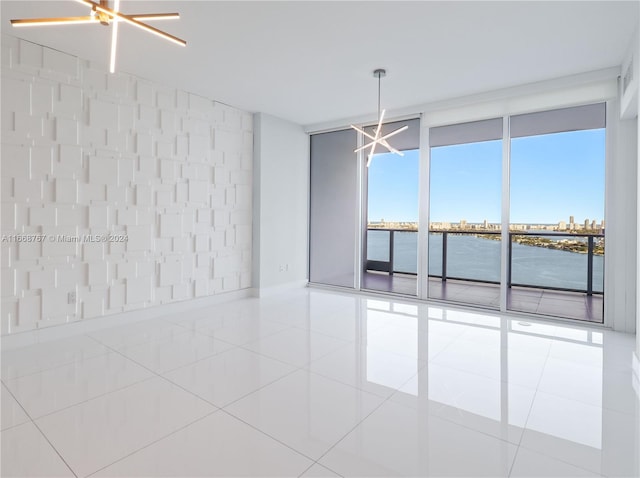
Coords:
pixel 392 250
pixel 465 255
pixel 544 260
pixel 569 262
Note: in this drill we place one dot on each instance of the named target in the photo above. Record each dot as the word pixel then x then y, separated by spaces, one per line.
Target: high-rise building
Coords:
pixel 562 226
pixel 571 220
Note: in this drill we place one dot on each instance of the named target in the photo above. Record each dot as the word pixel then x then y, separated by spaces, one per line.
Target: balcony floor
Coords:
pixel 397 283
pixel 571 305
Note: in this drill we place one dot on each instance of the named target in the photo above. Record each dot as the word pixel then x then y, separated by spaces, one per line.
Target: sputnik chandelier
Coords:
pixel 377 137
pixel 102 14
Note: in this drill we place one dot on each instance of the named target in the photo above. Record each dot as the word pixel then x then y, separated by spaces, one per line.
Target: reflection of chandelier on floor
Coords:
pixel 377 137
pixel 101 13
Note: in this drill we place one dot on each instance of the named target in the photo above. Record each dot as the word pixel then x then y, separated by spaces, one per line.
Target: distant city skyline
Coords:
pixel 553 177
pixel 560 223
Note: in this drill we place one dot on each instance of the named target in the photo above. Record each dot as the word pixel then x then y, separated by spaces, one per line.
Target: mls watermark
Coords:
pixel 65 238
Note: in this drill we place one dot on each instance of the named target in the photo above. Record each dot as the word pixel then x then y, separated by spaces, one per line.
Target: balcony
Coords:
pixel 548 273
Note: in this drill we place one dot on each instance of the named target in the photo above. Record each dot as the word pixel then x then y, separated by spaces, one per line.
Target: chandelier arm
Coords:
pixel 154 16
pixel 114 39
pixel 376 139
pixel 373 142
pixel 393 133
pixel 365 146
pixel 32 22
pixel 371 153
pixel 131 21
pixel 390 148
pixel 361 131
pixel 369 159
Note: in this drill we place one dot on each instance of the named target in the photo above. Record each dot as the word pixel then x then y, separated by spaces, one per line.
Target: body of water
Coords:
pixel 470 257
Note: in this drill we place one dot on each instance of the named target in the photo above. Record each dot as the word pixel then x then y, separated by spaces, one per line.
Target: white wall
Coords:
pixel 621 216
pixel 87 152
pixel 637 262
pixel 281 190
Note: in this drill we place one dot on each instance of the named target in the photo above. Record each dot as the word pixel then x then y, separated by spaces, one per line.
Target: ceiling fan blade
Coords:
pixel 32 22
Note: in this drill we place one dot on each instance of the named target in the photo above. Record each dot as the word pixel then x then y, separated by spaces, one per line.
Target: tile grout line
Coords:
pixel 267 435
pixel 384 400
pixel 250 341
pixel 144 342
pixel 41 433
pixel 533 401
pixel 337 442
pixel 515 458
pixel 137 382
pixel 157 375
pixel 59 365
pixel 295 369
pixel 156 441
pixel 323 466
pixel 448 420
pixel 217 409
pixel 288 446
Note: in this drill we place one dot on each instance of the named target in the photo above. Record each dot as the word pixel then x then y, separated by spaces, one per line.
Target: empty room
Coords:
pixel 319 238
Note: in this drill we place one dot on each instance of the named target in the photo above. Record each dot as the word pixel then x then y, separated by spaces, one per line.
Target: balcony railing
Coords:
pixel 394 256
pixel 579 245
pixel 544 260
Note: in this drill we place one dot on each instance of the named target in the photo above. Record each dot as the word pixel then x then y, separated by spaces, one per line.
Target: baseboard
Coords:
pixel 85 326
pixel 279 289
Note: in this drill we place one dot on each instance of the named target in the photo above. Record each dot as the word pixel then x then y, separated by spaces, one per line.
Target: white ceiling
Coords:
pixel 312 62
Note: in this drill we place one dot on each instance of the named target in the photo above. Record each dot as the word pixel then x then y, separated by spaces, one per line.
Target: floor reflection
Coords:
pixel 312 382
pixel 553 389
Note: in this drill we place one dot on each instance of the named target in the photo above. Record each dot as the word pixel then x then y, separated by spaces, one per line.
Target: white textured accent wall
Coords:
pixel 88 153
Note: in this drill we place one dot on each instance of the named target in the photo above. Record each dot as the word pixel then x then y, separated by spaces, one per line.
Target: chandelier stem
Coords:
pixel 379 80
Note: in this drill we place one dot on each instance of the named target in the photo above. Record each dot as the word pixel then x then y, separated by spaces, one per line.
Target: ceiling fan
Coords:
pixel 102 14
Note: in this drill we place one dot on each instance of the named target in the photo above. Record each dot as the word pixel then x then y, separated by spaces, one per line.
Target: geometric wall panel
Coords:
pixel 120 191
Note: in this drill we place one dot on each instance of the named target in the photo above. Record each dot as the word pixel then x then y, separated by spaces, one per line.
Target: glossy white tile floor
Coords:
pixel 314 383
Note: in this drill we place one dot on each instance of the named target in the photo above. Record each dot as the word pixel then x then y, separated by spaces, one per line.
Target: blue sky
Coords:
pixel 393 187
pixel 552 177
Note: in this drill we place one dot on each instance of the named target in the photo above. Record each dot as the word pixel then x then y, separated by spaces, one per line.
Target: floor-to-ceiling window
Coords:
pixel 390 239
pixel 465 183
pixel 556 228
pixel 543 176
pixel 392 223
